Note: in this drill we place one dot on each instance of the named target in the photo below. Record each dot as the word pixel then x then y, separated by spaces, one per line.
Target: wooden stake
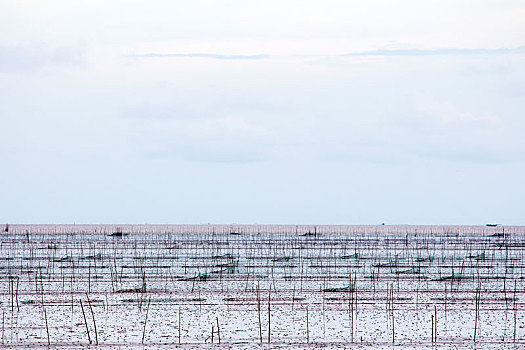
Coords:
pixel 17 304
pixel 476 315
pixel 218 330
pixel 515 312
pixel 93 317
pixel 259 312
pixel 269 316
pixel 85 321
pixel 432 336
pixel 307 327
pixel 435 324
pixel 392 309
pixel 47 328
pixel 179 325
pixel 145 321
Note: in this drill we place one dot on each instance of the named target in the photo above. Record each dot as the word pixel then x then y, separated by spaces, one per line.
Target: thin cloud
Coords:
pixel 202 55
pixel 437 52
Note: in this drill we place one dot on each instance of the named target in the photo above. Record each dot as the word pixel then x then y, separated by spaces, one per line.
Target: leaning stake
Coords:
pixel 85 321
pixel 93 316
pixel 47 328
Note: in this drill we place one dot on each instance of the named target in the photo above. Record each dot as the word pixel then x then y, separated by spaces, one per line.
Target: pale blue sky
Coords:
pixel 328 112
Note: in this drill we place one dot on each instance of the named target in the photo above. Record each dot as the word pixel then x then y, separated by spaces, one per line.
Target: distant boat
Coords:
pixel 118 233
pixel 310 233
pixel 492 225
pixel 6 228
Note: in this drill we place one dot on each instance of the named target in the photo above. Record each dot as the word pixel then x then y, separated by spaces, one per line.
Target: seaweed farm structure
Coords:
pixel 269 286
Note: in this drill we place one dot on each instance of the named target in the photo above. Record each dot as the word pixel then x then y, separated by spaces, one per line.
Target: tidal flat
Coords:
pixel 262 286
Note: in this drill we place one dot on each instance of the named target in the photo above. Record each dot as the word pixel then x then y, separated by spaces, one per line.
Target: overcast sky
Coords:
pixel 226 111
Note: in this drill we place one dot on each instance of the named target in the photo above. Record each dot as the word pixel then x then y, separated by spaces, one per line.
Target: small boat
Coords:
pixel 118 233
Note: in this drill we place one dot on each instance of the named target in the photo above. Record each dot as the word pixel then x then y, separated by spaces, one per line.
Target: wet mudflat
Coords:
pixel 245 287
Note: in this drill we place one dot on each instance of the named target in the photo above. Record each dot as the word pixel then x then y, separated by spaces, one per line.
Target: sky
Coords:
pixel 262 112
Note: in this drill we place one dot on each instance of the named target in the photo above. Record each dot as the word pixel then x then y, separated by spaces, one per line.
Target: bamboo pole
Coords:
pixel 85 320
pixel 392 310
pixel 218 330
pixel 145 322
pixel 179 325
pixel 515 313
pixel 307 326
pixel 432 331
pixel 476 314
pixel 435 324
pixel 93 317
pixel 269 316
pixel 47 327
pixel 259 312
